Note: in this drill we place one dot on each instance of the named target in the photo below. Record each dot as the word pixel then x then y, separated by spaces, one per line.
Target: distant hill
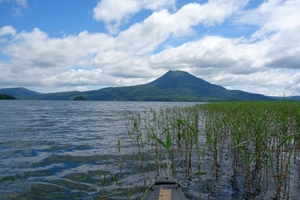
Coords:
pixel 292 98
pixel 172 86
pixel 19 92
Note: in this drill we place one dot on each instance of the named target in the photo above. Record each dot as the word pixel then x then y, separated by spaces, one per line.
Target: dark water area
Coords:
pixel 54 149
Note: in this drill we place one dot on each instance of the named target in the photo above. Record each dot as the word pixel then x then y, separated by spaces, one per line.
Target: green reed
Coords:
pixel 171 131
pixel 263 137
pixel 259 140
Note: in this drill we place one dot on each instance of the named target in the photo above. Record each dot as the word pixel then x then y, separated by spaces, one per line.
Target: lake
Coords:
pixel 55 149
pixel 69 150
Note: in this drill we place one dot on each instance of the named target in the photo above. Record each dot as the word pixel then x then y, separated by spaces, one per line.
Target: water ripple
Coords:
pixel 55 149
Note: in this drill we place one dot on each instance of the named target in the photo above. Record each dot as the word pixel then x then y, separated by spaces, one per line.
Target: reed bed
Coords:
pixel 263 138
pixel 257 143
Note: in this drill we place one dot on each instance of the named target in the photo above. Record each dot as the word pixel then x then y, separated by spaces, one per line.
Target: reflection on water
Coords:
pixel 53 149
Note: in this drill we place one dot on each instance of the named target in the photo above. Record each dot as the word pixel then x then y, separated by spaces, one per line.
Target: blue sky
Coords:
pixel 54 45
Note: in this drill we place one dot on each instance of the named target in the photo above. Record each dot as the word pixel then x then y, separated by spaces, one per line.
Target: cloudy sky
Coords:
pixel 55 45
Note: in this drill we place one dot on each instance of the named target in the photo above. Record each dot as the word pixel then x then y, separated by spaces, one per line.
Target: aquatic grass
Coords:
pixel 263 136
pixel 104 181
pixel 120 158
pixel 169 136
pixel 257 142
pixel 107 178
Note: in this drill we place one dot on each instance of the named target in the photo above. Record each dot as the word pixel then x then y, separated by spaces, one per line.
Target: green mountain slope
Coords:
pixel 172 86
pixel 186 84
pixel 19 92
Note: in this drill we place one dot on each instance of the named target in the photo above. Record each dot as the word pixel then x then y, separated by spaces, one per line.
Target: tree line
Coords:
pixel 6 96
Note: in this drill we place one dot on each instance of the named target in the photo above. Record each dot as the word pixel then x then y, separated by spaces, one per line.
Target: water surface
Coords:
pixel 54 149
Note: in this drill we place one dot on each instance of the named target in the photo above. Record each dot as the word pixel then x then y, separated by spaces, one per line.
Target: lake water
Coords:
pixel 54 149
pixel 62 149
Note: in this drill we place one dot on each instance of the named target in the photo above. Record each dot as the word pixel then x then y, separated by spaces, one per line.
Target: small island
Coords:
pixel 5 96
pixel 79 98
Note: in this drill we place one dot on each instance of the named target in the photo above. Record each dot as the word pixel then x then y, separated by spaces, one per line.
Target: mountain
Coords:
pixel 19 92
pixel 172 86
pixel 186 84
pixel 293 98
pixel 289 98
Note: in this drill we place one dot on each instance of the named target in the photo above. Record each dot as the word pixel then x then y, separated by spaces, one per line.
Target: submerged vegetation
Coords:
pixel 252 147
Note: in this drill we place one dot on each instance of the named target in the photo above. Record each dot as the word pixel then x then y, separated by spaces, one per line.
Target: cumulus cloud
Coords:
pixel 37 50
pixel 270 16
pixel 7 30
pixel 113 12
pixel 159 26
pixel 46 60
pixel 279 28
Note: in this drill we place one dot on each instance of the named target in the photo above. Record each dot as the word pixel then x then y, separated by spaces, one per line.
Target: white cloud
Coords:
pixel 159 26
pixel 113 12
pixel 7 30
pixel 270 16
pixel 37 57
pixel 41 51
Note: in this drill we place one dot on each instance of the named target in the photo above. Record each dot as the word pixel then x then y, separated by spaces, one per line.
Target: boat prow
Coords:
pixel 165 188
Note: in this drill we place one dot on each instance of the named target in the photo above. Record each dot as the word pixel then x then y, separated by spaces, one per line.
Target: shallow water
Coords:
pixel 54 149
